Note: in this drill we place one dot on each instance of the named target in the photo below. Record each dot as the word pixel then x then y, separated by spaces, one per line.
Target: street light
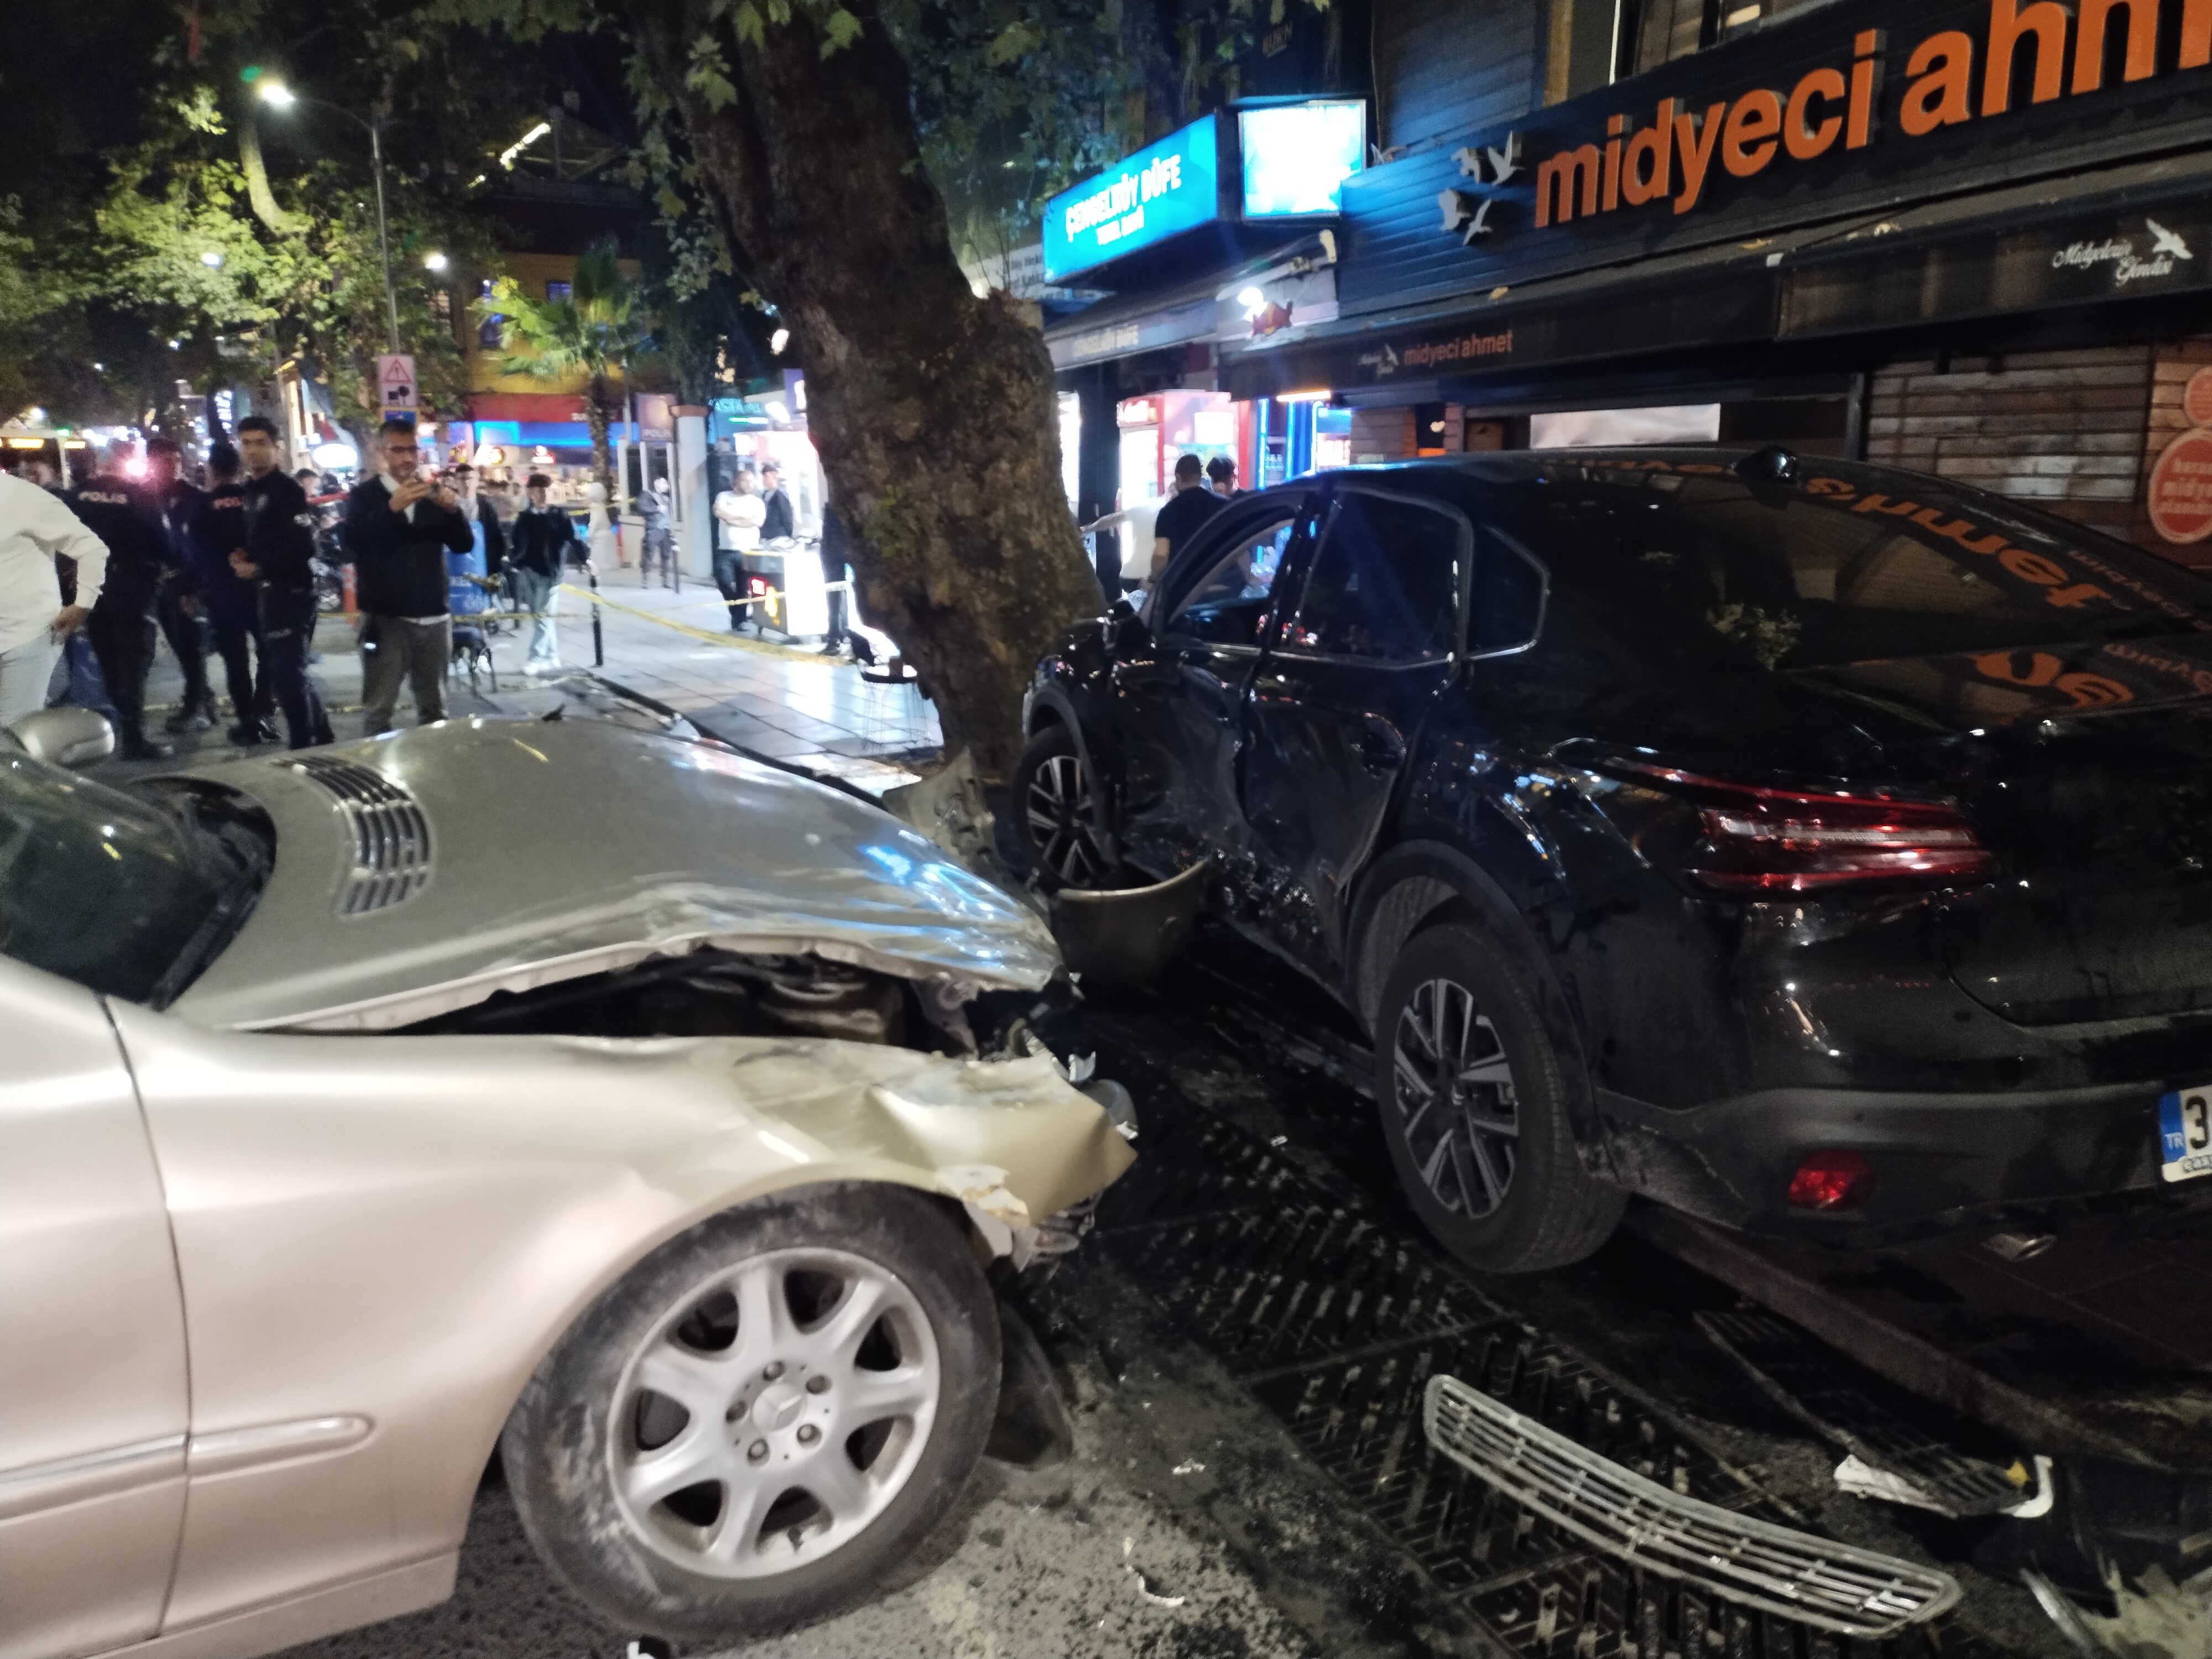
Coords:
pixel 434 261
pixel 277 96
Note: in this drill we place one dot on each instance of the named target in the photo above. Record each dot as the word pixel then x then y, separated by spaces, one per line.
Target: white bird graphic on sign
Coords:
pixel 1464 213
pixel 1505 162
pixel 2166 241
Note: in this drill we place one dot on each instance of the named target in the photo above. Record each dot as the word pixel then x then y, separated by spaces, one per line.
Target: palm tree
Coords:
pixel 597 331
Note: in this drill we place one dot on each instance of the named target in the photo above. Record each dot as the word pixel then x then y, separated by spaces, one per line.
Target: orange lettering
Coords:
pixel 1613 161
pixel 1864 70
pixel 1958 529
pixel 1557 180
pixel 2032 567
pixel 2068 599
pixel 1696 157
pixel 2141 58
pixel 1804 140
pixel 2046 20
pixel 1942 67
pixel 1747 144
pixel 1647 170
pixel 1876 503
pixel 2042 668
pixel 2093 690
pixel 2196 34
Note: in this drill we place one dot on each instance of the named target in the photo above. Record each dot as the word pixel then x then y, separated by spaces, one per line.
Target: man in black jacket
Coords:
pixel 179 607
pixel 233 603
pixel 398 528
pixel 278 559
pixel 543 543
pixel 121 628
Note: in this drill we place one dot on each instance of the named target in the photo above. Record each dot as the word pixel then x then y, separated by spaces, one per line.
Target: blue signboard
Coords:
pixel 1297 156
pixel 1139 201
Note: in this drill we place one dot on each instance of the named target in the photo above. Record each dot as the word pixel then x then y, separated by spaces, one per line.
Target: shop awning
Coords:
pixel 2117 233
pixel 1152 321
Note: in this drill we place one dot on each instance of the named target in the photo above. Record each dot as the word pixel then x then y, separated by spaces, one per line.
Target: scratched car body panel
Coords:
pixel 321 1266
pixel 1617 651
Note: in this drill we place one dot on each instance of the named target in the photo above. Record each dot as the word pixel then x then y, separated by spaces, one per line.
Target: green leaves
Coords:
pixel 708 72
pixel 745 24
pixel 1017 40
pixel 840 29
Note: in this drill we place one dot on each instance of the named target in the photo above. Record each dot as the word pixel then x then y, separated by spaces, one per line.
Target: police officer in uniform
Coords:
pixel 180 607
pixel 232 603
pixel 121 628
pixel 277 557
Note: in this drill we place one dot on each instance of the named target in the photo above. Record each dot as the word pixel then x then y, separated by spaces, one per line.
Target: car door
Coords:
pixel 1179 689
pixel 1346 684
pixel 93 1398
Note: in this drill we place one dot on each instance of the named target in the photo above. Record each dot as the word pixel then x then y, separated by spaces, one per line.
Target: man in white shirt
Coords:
pixel 35 529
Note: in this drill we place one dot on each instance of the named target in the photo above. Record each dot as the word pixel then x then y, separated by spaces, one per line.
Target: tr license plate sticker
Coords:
pixel 2184 1134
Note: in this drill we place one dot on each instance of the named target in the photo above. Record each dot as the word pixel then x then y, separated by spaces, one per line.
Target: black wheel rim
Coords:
pixel 1058 812
pixel 1454 1091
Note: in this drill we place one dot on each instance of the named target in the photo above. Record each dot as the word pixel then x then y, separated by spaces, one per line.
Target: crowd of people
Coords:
pixel 94 576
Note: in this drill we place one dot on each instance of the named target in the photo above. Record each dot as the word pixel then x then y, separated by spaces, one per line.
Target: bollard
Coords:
pixel 598 640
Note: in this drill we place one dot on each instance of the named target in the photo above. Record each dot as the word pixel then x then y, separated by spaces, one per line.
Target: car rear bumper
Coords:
pixel 1939 1159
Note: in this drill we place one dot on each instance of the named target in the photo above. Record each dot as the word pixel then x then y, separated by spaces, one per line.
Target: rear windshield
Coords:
pixel 1849 565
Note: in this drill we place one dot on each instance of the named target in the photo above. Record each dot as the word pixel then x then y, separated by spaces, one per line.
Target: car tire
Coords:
pixel 810 1494
pixel 1054 801
pixel 1483 1143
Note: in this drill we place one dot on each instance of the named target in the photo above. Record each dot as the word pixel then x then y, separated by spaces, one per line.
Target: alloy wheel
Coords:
pixel 775 1413
pixel 1059 812
pixel 1455 1093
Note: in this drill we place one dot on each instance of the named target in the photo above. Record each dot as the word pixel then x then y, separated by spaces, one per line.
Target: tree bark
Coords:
pixel 257 181
pixel 933 410
pixel 595 414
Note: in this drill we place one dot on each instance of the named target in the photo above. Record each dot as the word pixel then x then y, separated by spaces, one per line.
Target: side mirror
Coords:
pixel 65 737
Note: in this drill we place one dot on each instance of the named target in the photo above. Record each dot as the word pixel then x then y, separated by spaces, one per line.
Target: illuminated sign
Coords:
pixel 1297 156
pixel 1142 200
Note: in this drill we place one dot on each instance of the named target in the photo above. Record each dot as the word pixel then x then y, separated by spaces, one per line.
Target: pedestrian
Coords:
pixel 1221 477
pixel 834 580
pixel 278 556
pixel 738 515
pixel 653 506
pixel 544 545
pixel 124 515
pixel 37 531
pixel 178 609
pixel 603 537
pixel 398 529
pixel 231 602
pixel 487 534
pixel 780 523
pixel 1192 505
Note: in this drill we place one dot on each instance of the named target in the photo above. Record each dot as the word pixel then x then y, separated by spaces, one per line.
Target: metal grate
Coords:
pixel 1742 1559
pixel 391 835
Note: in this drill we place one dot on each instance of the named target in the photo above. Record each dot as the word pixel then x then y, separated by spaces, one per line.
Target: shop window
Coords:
pixel 1582 46
pixel 1226 605
pixel 1660 31
pixel 1385 584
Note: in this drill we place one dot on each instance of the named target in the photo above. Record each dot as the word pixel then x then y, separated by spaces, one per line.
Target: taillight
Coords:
pixel 1760 840
pixel 1836 1178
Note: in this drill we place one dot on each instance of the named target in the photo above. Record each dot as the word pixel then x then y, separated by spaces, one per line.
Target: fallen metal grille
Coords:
pixel 1742 1560
pixel 1336 1316
pixel 391 835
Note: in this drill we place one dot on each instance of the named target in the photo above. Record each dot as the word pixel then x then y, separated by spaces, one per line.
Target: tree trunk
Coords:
pixel 257 181
pixel 933 410
pixel 603 464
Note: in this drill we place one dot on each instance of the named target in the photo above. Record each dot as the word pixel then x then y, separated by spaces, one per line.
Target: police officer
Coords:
pixel 127 518
pixel 233 605
pixel 180 607
pixel 277 557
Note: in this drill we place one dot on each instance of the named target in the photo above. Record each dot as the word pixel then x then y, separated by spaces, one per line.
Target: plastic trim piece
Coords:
pixel 1831 1586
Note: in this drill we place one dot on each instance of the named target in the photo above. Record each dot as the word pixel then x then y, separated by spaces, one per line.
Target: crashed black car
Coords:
pixel 1805 845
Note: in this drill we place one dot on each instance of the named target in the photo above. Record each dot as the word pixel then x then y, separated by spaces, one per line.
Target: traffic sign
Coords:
pixel 396 375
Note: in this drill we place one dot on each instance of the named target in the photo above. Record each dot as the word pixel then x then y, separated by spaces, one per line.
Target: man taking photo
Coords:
pixel 278 558
pixel 398 528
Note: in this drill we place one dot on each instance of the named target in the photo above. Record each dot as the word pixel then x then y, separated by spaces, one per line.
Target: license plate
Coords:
pixel 2184 1134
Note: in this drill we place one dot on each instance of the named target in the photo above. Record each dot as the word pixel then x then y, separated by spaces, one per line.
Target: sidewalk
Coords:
pixel 786 704
pixel 665 650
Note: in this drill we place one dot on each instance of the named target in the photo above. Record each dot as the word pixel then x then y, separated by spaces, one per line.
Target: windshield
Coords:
pixel 1850 565
pixel 129 896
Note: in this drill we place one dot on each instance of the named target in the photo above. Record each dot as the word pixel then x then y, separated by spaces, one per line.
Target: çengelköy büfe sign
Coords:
pixel 1164 188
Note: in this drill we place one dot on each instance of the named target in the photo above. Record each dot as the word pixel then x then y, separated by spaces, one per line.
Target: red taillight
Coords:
pixel 1760 840
pixel 1836 1178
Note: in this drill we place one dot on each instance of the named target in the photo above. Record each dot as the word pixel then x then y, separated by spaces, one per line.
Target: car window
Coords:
pixel 1226 604
pixel 1505 612
pixel 1853 566
pixel 1385 584
pixel 108 890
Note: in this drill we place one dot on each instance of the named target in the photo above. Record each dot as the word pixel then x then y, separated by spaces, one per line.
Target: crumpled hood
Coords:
pixel 422 871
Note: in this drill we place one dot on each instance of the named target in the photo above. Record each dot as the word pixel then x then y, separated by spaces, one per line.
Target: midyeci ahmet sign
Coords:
pixel 1829 112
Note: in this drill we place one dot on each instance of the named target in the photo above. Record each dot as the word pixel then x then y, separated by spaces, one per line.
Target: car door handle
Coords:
pixel 1381 748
